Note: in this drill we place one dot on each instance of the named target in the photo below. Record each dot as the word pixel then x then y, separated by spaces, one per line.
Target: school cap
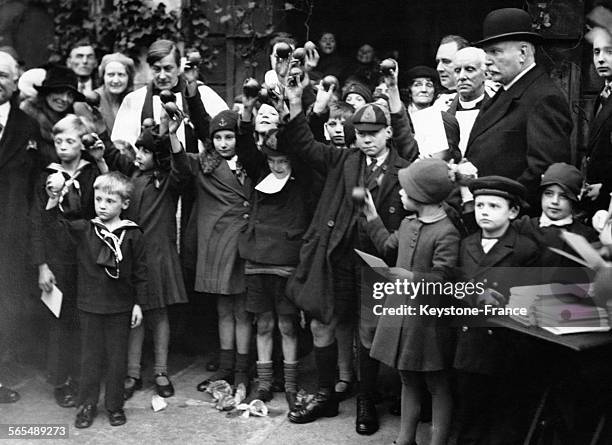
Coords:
pixel 426 181
pixel 225 120
pixel 565 176
pixel 500 186
pixel 369 117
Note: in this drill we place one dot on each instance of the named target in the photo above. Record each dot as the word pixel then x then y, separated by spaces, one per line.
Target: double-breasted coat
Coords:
pixel 221 213
pixel 520 132
pixel 481 350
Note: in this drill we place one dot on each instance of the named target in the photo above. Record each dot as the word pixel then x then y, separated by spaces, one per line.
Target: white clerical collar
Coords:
pixel 232 162
pixel 518 76
pixel 379 159
pixel 5 109
pixel 469 104
pixel 271 184
pixel 545 221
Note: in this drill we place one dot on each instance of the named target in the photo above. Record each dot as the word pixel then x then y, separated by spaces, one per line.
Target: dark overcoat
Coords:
pixel 335 218
pixel 520 132
pixel 18 164
pixel 482 350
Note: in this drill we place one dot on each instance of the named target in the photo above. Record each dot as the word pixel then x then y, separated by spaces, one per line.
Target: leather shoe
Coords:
pixel 323 405
pixel 65 396
pixel 7 395
pixel 131 385
pixel 85 416
pixel 116 418
pixel 164 390
pixel 366 422
pixel 291 397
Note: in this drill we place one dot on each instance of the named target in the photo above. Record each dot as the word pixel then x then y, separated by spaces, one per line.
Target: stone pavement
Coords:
pixel 185 421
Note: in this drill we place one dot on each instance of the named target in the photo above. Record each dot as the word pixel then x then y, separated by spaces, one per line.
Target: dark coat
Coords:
pixel 482 350
pixel 335 218
pixel 278 221
pixel 520 132
pixel 429 251
pixel 598 161
pixel 153 207
pixel 18 164
pixel 221 213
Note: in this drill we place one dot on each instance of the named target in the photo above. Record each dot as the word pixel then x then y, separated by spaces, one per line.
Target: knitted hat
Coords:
pixel 500 186
pixel 565 176
pixel 426 181
pixel 225 120
pixel 370 117
pixel 60 78
pixel 357 88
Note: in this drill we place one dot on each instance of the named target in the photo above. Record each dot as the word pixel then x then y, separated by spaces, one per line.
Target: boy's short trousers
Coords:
pixel 266 292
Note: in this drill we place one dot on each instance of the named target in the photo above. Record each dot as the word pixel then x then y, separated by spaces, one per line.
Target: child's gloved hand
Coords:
pixel 491 297
pixel 136 316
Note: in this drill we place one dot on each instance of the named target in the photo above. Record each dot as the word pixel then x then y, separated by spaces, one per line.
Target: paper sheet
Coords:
pixel 373 261
pixel 429 131
pixel 584 249
pixel 53 300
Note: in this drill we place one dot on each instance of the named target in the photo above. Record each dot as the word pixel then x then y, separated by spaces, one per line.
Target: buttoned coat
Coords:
pixel 520 132
pixel 221 213
pixel 429 251
pixel 336 215
pixel 482 350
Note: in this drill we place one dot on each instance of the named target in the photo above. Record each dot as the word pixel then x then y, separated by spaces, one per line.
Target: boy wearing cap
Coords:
pixel 356 94
pixel 325 284
pixel 483 357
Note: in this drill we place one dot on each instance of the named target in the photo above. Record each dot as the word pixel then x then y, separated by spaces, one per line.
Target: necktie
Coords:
pixel 240 174
pixel 605 94
pixel 369 177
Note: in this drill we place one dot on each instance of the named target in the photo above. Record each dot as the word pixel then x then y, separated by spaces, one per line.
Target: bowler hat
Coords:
pixel 60 78
pixel 508 24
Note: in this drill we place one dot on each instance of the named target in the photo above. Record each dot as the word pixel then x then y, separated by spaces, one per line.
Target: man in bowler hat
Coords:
pixel 526 126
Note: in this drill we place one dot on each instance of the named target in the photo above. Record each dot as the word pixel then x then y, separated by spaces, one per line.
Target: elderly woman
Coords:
pixel 422 89
pixel 117 74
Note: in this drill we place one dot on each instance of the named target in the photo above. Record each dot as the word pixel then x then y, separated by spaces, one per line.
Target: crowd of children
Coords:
pixel 274 207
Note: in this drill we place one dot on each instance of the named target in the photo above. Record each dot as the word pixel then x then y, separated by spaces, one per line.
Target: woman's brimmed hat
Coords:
pixel 60 78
